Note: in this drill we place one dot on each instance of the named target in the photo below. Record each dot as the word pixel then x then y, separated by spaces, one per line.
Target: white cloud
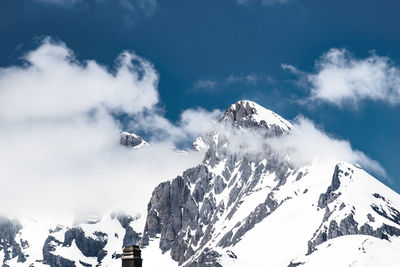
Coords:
pixel 306 143
pixel 53 84
pixel 248 78
pixel 205 84
pixel 291 68
pixel 342 79
pixel 192 123
pixel 59 138
pixel 210 85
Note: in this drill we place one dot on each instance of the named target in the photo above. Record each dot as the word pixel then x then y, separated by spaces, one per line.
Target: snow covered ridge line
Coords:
pixel 235 207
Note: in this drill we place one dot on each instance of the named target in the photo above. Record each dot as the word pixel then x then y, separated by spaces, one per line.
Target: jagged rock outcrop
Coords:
pixel 131 140
pixel 54 260
pixel 10 246
pixel 247 114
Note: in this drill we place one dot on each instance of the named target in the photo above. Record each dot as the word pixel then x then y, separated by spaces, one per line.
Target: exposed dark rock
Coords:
pixel 8 244
pixel 54 260
pixel 394 215
pixel 348 226
pixel 131 237
pixel 130 140
pixel 87 245
pixel 370 217
pixel 207 258
pixel 294 264
pixel 330 195
pixel 231 254
pixel 376 195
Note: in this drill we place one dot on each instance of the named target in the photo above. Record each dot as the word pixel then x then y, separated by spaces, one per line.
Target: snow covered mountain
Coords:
pixel 238 208
pixel 244 205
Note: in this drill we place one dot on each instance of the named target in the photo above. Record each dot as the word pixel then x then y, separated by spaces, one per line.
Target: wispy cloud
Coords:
pixel 62 3
pixel 205 84
pixel 340 78
pixel 210 85
pixel 145 7
pixel 248 78
pixel 148 7
pixel 263 2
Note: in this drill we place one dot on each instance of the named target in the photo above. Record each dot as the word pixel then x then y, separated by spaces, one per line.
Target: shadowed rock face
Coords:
pixel 90 247
pixel 9 245
pixel 131 140
pixel 130 237
pixel 54 260
pixel 330 194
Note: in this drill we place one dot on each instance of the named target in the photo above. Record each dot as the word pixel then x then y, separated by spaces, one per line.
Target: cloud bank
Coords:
pixel 343 80
pixel 59 133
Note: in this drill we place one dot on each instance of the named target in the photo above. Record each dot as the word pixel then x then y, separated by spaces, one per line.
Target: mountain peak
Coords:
pixel 245 113
pixel 131 140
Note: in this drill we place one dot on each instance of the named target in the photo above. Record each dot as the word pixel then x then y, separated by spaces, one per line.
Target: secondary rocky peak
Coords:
pixel 248 114
pixel 131 140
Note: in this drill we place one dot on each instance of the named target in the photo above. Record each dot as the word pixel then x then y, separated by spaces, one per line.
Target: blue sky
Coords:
pixel 212 53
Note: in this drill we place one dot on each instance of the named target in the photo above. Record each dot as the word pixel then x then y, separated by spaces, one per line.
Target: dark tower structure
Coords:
pixel 131 257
